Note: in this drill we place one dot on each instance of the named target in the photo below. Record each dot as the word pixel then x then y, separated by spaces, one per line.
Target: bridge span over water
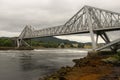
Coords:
pixel 87 20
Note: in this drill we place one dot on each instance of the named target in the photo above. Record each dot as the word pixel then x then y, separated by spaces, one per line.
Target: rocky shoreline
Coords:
pixel 95 66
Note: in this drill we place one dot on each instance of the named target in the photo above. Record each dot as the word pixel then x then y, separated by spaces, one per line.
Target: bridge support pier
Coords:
pixel 91 29
pixel 18 43
pixel 21 42
pixel 105 37
pixel 93 40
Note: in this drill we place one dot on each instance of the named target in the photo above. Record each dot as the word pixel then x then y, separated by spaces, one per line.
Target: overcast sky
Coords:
pixel 15 14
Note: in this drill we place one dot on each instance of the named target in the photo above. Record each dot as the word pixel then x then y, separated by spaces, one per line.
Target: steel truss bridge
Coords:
pixel 87 20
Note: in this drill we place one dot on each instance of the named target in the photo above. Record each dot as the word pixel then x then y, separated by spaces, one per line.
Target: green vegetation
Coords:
pixel 45 42
pixel 52 42
pixel 6 42
pixel 114 59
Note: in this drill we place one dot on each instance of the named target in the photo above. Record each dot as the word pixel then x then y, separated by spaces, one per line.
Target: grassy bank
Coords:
pixel 95 66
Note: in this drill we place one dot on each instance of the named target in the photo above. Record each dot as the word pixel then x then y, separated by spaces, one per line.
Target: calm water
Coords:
pixel 30 65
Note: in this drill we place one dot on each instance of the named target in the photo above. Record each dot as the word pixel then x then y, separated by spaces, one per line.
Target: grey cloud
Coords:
pixel 15 14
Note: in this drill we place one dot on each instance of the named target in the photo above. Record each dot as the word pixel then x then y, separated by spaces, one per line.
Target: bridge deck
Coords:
pixel 86 20
pixel 83 21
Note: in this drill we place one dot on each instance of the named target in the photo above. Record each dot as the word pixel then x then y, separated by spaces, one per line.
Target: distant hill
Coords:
pixel 54 39
pixel 47 39
pixel 47 42
pixel 53 42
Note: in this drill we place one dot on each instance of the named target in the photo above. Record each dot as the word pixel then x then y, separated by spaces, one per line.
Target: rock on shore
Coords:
pixel 91 67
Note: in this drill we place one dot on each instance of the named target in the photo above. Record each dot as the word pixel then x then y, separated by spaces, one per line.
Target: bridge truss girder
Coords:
pixel 87 20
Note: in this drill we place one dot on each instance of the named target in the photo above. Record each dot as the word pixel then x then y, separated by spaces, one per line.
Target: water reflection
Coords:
pixel 29 61
pixel 26 61
pixel 30 65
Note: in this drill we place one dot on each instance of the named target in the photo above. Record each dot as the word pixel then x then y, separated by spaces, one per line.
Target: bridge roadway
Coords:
pixel 87 20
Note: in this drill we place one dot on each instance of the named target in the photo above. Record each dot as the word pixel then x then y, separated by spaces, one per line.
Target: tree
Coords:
pixel 5 42
pixel 8 43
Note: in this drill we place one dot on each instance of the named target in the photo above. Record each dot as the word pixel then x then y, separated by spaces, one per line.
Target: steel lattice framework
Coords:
pixel 86 20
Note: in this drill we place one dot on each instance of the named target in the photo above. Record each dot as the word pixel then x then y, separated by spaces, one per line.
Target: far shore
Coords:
pixel 15 48
pixel 37 48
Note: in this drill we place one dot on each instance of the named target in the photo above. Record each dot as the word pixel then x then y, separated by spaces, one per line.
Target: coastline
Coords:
pixel 91 67
pixel 37 48
pixel 15 48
